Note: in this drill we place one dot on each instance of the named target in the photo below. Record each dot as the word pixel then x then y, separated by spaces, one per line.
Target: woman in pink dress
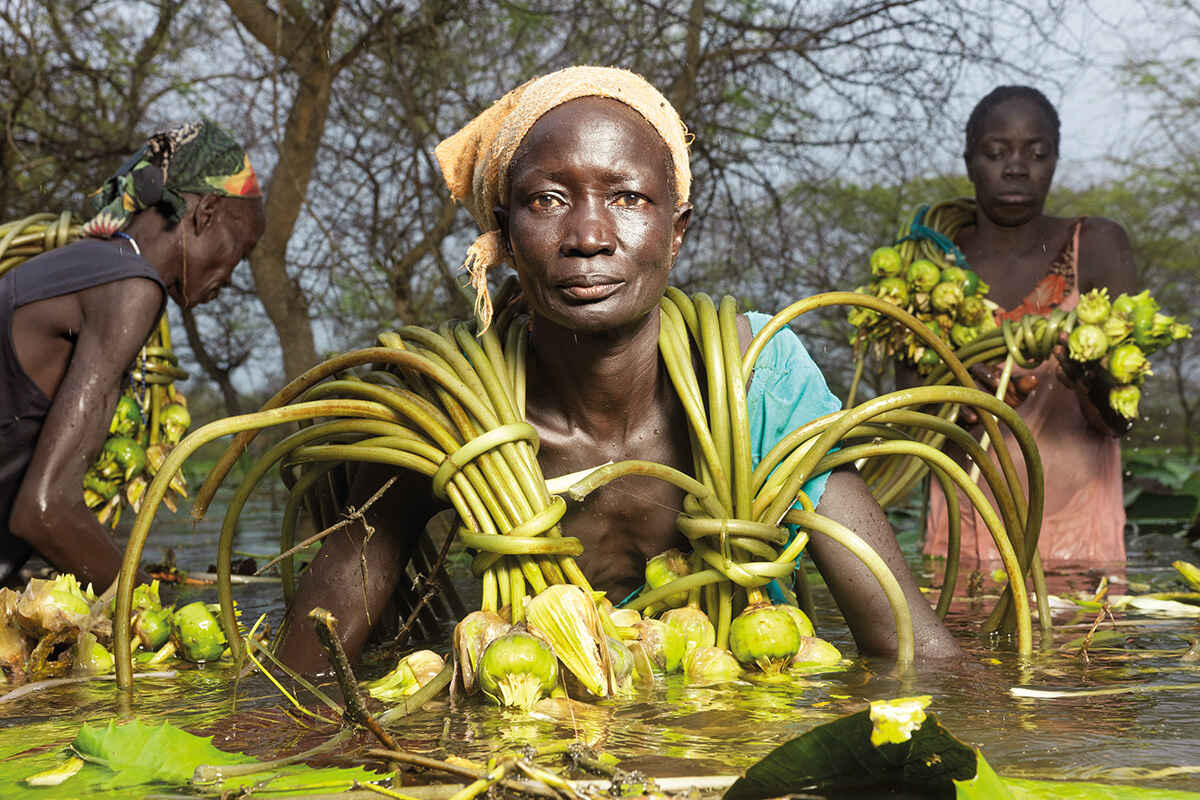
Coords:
pixel 1035 263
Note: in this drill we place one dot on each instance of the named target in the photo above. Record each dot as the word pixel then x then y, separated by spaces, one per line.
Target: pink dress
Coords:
pixel 1084 520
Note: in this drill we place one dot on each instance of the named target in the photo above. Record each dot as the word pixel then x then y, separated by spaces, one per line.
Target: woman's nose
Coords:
pixel 590 230
pixel 1016 167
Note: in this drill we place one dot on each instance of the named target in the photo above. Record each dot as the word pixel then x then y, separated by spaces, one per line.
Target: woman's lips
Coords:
pixel 589 291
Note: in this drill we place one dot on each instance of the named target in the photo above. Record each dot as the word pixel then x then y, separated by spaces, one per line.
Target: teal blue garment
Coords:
pixel 787 391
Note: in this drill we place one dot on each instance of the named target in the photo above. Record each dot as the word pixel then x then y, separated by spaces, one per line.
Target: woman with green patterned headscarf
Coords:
pixel 175 219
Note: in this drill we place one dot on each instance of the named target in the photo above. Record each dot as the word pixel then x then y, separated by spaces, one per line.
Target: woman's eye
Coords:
pixel 544 200
pixel 628 199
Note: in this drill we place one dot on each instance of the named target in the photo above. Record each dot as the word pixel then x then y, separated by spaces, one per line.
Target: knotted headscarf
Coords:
pixel 475 160
pixel 199 157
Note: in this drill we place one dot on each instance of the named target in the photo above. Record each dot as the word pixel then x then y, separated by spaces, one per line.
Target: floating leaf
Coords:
pixel 141 754
pixel 839 756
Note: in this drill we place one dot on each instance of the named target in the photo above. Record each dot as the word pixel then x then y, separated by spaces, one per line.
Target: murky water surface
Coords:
pixel 681 730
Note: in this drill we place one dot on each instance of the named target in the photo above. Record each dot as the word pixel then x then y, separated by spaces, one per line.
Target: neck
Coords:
pixel 600 383
pixel 159 244
pixel 992 236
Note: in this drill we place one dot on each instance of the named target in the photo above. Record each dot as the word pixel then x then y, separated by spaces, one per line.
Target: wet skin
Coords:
pixel 593 231
pixel 76 349
pixel 1013 242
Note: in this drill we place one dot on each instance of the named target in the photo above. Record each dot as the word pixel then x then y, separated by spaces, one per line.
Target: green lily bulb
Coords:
pixel 152 627
pixel 665 568
pixel 518 669
pixel 1117 328
pixel 815 651
pixel 1087 343
pixel 1094 307
pixel 764 635
pixel 91 658
pixel 127 419
pixel 693 625
pixel 1123 305
pixel 709 665
pixel 411 673
pixel 963 335
pixel 471 637
pixel 946 295
pixel 803 623
pixel 972 311
pixel 886 262
pixel 1124 400
pixel 894 290
pixel 1127 364
pixel 923 275
pixel 122 456
pixel 663 645
pixel 197 633
pixel 175 420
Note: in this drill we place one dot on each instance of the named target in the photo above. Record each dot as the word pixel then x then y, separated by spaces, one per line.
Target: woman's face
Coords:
pixel 1012 164
pixel 591 220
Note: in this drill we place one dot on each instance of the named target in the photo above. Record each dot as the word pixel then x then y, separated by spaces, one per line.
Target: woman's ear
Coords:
pixel 682 216
pixel 206 212
pixel 501 214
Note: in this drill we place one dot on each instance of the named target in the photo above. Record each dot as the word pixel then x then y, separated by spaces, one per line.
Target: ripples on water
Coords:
pixel 681 730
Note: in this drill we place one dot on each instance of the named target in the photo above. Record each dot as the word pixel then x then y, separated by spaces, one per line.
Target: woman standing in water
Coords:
pixel 1035 263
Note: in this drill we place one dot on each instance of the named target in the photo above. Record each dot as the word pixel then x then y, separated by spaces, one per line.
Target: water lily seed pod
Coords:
pixel 1124 400
pixel 972 311
pixel 663 645
pixel 1127 364
pixel 175 421
pixel 1087 343
pixel 955 275
pixel 1093 307
pixel 127 418
pixel 91 658
pixel 803 623
pixel 764 635
pixel 566 617
pixel 197 634
pixel 946 296
pixel 664 568
pixel 963 335
pixel 410 674
pixel 815 651
pixel 923 275
pixel 885 262
pixel 152 627
pixel 471 637
pixel 51 606
pixel 518 669
pixel 693 625
pixel 1123 305
pixel 710 665
pixel 1117 328
pixel 894 290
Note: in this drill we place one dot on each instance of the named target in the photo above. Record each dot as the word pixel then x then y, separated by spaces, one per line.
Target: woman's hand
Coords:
pixel 988 378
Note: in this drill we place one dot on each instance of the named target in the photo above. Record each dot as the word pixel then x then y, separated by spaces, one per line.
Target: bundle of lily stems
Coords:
pixel 449 404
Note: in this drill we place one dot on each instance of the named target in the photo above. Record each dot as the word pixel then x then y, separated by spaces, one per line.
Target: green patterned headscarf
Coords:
pixel 199 157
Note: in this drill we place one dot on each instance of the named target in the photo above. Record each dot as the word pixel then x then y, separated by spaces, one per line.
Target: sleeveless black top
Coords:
pixel 23 406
